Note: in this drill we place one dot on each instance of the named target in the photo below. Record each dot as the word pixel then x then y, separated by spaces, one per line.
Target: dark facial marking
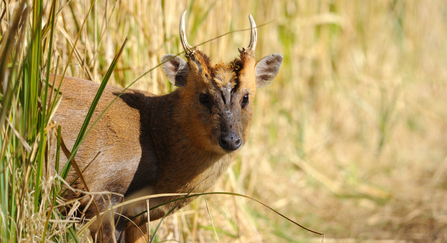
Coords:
pixel 237 66
pixel 237 83
pixel 223 97
pixel 198 65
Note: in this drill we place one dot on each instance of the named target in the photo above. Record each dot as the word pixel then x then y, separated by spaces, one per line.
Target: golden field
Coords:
pixel 350 140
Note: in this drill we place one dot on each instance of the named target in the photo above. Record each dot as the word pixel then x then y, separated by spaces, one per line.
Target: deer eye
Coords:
pixel 244 101
pixel 204 99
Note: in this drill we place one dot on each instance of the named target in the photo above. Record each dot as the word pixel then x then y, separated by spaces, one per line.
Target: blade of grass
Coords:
pixel 45 117
pixel 35 78
pixel 190 195
pixel 161 221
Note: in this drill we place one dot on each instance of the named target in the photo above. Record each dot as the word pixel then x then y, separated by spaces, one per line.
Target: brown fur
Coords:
pixel 147 144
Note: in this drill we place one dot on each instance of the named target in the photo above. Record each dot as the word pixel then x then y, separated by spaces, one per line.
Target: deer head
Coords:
pixel 218 99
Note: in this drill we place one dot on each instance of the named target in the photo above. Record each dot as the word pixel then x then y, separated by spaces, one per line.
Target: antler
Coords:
pixel 253 37
pixel 188 48
pixel 254 34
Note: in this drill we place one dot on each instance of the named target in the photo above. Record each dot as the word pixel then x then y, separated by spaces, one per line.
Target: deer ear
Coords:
pixel 266 69
pixel 176 69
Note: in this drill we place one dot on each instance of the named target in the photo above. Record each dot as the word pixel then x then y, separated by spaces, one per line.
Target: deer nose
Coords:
pixel 230 141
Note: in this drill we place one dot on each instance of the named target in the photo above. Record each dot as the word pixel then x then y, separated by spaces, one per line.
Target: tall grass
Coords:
pixel 24 121
pixel 349 140
pixel 28 100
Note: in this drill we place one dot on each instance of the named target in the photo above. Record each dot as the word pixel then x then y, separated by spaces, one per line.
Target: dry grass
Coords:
pixel 350 140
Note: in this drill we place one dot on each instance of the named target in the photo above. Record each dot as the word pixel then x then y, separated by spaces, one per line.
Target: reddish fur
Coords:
pixel 146 144
pixel 156 143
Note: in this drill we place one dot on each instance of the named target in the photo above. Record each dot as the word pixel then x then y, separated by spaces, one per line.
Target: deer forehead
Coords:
pixel 222 78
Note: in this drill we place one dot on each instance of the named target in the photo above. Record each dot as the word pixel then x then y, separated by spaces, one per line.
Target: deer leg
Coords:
pixel 137 234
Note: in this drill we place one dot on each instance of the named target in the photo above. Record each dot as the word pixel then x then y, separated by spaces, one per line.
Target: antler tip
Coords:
pixel 254 34
pixel 182 31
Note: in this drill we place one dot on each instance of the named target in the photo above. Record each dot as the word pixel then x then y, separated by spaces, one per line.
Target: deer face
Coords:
pixel 218 99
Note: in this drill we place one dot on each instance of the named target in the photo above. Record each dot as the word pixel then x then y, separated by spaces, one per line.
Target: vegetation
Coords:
pixel 349 140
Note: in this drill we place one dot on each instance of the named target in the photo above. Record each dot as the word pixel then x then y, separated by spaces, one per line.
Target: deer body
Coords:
pixel 124 138
pixel 177 143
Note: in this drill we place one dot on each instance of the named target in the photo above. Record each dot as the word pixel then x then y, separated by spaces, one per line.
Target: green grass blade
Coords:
pixel 33 108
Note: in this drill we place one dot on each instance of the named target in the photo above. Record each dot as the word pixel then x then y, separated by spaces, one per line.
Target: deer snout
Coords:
pixel 230 141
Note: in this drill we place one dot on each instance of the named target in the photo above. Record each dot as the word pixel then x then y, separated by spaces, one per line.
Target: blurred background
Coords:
pixel 349 140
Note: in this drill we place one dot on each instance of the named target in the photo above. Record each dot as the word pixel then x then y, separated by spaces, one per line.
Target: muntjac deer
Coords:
pixel 148 144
